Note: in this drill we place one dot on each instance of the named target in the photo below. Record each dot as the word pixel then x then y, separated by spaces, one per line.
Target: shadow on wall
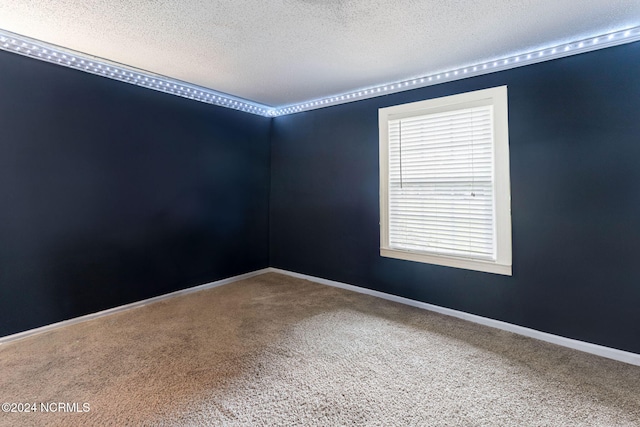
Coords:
pixel 173 250
pixel 82 270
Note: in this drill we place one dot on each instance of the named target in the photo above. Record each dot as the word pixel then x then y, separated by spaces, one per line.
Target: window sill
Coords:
pixel 447 261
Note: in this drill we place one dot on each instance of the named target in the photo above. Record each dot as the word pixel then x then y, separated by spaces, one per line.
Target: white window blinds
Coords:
pixel 440 183
pixel 445 196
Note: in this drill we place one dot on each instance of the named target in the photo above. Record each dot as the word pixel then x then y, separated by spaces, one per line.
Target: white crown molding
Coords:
pixel 596 42
pixel 32 48
pixel 46 52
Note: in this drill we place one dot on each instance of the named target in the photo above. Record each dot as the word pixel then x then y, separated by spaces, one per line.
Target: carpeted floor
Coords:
pixel 274 350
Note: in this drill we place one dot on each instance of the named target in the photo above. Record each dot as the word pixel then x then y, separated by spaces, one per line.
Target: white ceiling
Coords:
pixel 279 52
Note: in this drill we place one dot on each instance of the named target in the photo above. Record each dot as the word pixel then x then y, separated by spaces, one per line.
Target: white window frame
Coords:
pixel 497 97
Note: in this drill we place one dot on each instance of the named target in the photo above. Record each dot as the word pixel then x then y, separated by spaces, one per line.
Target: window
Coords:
pixel 444 181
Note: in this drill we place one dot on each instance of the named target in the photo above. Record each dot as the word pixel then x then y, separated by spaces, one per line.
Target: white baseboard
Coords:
pixel 137 304
pixel 599 350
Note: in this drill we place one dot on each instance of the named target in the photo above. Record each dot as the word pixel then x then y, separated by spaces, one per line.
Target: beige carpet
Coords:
pixel 274 350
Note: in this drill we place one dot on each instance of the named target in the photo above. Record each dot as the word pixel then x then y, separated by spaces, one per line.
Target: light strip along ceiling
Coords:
pixel 57 55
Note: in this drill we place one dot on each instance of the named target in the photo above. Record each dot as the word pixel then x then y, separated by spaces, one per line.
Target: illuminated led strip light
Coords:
pixel 43 51
pixel 80 61
pixel 527 58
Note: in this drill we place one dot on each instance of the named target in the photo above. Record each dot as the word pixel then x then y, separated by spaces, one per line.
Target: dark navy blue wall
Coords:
pixel 574 127
pixel 111 193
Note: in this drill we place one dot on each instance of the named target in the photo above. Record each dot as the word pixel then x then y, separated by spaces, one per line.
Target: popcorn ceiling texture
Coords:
pixel 285 51
pixel 278 351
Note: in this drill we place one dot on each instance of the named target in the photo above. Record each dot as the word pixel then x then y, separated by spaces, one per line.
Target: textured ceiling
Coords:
pixel 280 52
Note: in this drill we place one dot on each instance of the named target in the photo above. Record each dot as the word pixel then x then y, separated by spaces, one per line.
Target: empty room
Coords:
pixel 320 213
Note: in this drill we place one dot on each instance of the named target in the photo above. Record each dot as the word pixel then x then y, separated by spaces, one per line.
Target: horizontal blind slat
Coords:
pixel 426 229
pixel 409 235
pixel 444 251
pixel 445 243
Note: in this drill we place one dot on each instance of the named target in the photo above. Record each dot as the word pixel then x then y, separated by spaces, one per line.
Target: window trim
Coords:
pixel 501 184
